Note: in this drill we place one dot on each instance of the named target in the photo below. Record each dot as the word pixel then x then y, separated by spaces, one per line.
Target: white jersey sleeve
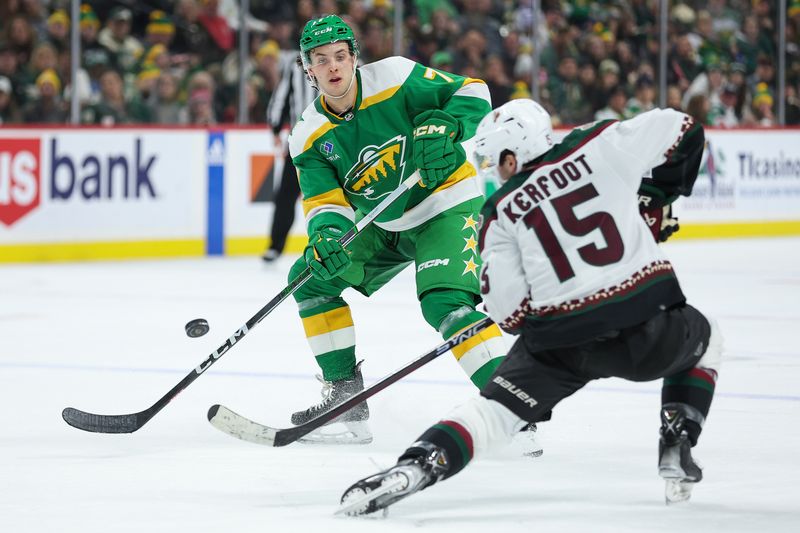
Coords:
pixel 645 141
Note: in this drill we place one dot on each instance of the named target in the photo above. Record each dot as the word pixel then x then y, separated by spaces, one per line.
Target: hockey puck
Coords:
pixel 197 327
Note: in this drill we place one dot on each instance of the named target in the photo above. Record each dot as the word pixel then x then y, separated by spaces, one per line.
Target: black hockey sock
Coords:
pixel 452 438
pixel 694 389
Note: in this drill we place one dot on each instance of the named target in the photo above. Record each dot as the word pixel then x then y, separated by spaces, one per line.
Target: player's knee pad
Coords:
pixel 443 307
pixel 712 358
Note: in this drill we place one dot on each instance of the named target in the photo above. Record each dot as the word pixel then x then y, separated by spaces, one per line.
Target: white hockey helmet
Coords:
pixel 521 126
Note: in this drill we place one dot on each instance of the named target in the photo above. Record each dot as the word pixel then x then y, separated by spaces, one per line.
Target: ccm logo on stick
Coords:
pixel 19 178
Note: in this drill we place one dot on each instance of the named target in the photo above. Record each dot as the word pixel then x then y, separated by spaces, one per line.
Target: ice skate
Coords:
pixel 349 428
pixel 526 439
pixel 390 486
pixel 270 255
pixel 675 462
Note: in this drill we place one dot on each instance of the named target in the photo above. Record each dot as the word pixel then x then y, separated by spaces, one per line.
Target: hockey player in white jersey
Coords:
pixel 572 268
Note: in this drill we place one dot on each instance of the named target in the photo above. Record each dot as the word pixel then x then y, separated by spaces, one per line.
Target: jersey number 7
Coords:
pixel 590 253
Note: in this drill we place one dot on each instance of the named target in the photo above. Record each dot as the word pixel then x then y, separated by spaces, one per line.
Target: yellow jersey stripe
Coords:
pixel 465 171
pixel 327 322
pixel 322 130
pixel 378 97
pixel 332 197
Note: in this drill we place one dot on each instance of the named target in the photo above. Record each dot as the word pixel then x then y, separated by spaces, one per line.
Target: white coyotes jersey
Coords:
pixel 569 234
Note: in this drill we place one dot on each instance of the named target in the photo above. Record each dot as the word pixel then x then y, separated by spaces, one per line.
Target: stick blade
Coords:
pixel 100 423
pixel 240 427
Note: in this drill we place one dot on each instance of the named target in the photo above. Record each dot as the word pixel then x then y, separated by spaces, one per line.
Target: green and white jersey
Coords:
pixel 352 162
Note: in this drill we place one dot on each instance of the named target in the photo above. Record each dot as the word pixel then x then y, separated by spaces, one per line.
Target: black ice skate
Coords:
pixel 675 462
pixel 402 480
pixel 356 430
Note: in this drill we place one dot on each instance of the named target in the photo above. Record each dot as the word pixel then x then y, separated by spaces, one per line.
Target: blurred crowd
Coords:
pixel 176 61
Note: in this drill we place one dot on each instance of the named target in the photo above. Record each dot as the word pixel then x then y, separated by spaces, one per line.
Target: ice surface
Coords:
pixel 108 337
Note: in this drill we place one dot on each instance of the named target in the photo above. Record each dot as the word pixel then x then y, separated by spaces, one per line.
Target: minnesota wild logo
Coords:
pixel 379 169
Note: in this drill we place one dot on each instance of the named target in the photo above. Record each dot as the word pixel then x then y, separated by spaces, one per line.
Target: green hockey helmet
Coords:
pixel 325 30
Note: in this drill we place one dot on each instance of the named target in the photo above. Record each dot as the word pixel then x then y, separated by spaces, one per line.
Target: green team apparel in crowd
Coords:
pixel 347 164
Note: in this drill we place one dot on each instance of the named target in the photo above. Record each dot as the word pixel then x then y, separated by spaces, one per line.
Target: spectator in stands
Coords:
pixel 792 104
pixel 644 99
pixel 9 69
pixel 89 28
pixel 471 51
pixel 674 98
pixel 561 44
pixel 684 65
pixel 165 108
pixel 609 81
pixel 497 80
pixel 616 106
pixel 623 55
pixel 47 107
pixel 709 82
pixel 116 37
pixel 376 41
pixel 58 29
pixel 159 29
pixel 21 38
pixel 201 108
pixel 8 111
pixel 221 35
pixel 267 68
pixel 765 73
pixel 762 105
pixel 726 116
pixel 44 57
pixel 567 96
pixel 202 94
pixel 113 108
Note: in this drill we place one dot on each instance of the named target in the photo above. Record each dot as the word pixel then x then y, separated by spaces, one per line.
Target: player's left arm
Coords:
pixel 446 109
pixel 673 178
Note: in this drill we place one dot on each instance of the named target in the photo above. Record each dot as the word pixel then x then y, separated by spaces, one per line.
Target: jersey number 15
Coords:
pixel 590 253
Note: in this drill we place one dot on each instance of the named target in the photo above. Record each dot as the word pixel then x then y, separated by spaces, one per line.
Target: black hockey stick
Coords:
pixel 134 421
pixel 243 428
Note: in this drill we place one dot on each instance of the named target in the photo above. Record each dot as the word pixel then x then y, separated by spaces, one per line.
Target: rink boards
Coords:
pixel 98 193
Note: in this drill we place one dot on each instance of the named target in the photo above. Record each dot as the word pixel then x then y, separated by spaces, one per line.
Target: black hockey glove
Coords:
pixel 658 218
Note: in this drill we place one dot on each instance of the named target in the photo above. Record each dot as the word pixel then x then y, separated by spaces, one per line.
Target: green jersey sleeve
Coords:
pixel 466 99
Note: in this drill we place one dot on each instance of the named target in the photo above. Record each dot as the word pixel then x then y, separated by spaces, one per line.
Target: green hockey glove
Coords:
pixel 324 255
pixel 434 148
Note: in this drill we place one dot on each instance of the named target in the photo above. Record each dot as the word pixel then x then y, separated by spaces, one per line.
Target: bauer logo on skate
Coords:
pixel 379 169
pixel 516 391
pixel 19 179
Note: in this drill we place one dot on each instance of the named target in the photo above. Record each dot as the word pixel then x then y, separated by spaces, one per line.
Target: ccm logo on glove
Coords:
pixel 430 129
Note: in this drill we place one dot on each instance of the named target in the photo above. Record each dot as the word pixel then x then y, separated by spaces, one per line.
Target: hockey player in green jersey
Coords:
pixel 371 127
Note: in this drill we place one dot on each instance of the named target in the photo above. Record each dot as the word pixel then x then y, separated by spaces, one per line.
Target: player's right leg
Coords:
pixel 329 329
pixel 439 453
pixel 685 402
pixel 330 332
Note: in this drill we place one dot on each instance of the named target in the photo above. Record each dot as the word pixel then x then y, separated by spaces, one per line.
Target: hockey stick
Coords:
pixel 134 421
pixel 245 429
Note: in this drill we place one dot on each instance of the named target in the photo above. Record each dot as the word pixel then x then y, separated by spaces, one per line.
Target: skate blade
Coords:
pixel 354 505
pixel 340 433
pixel 677 491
